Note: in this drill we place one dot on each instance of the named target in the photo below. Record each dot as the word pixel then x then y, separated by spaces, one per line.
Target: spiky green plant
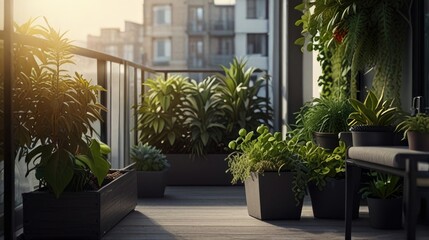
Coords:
pixel 162 119
pixel 204 118
pixel 243 104
pixel 417 123
pixel 148 158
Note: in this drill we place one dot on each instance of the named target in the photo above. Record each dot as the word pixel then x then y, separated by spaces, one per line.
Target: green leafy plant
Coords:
pixel 266 152
pixel 179 115
pixel 162 119
pixel 321 164
pixel 417 123
pixel 383 186
pixel 242 104
pixel 148 158
pixel 204 118
pixel 54 114
pixel 374 111
pixel 360 33
pixel 326 115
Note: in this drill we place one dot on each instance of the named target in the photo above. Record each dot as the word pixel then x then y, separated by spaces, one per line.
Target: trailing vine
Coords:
pixel 362 34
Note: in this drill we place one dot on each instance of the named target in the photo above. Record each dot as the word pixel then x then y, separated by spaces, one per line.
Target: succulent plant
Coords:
pixel 148 158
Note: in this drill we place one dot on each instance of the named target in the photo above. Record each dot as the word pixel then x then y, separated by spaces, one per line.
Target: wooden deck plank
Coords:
pixel 221 213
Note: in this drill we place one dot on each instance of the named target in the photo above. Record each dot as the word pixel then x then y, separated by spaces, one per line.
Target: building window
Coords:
pixel 257 44
pixel 257 9
pixel 129 52
pixel 162 15
pixel 222 46
pixel 196 19
pixel 162 50
pixel 196 52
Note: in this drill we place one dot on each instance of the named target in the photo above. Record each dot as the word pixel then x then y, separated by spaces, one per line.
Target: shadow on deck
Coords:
pixel 221 213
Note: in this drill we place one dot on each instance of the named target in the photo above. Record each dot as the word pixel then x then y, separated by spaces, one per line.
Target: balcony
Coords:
pixel 196 28
pixel 222 28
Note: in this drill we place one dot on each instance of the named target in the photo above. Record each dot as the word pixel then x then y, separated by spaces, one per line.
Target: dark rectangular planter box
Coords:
pixel 270 196
pixel 198 171
pixel 79 215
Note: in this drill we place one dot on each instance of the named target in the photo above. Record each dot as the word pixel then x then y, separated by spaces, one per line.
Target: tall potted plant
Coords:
pixel 192 122
pixel 54 115
pixel 272 174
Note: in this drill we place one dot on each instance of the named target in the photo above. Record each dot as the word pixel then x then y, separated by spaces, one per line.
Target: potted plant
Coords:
pixel 373 120
pixel 324 118
pixel 326 179
pixel 54 116
pixel 192 123
pixel 384 195
pixel 416 130
pixel 151 166
pixel 272 174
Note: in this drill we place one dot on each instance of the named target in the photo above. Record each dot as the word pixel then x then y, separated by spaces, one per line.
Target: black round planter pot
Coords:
pixel 326 140
pixel 361 138
pixel 328 203
pixel 385 213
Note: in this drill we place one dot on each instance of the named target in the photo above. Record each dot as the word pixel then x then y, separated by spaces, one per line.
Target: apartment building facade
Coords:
pixel 127 44
pixel 191 34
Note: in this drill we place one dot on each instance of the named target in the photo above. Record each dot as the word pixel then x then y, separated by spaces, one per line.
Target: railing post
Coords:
pixel 126 124
pixel 8 149
pixel 102 81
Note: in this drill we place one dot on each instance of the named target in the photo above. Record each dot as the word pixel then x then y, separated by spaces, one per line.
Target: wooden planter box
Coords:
pixel 79 215
pixel 198 171
pixel 270 196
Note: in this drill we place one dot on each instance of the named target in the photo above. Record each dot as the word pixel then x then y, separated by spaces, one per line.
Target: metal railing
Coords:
pixel 123 81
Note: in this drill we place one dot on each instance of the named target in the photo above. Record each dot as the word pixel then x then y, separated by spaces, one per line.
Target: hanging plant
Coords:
pixel 363 33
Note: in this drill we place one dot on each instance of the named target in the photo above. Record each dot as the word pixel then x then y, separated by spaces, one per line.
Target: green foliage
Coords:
pixel 162 118
pixel 266 152
pixel 374 111
pixel 361 32
pixel 326 115
pixel 417 123
pixel 242 105
pixel 148 158
pixel 54 112
pixel 179 115
pixel 383 186
pixel 321 164
pixel 204 118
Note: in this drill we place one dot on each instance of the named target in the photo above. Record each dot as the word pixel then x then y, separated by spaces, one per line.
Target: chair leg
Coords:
pixel 410 199
pixel 350 185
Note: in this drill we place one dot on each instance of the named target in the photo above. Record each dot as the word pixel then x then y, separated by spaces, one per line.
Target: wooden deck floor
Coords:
pixel 220 213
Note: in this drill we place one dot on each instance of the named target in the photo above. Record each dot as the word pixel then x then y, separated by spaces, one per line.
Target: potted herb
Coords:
pixel 54 115
pixel 151 166
pixel 272 174
pixel 416 130
pixel 324 118
pixel 326 179
pixel 373 120
pixel 384 195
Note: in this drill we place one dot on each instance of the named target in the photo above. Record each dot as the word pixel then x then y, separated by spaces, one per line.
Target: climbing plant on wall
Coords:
pixel 360 34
